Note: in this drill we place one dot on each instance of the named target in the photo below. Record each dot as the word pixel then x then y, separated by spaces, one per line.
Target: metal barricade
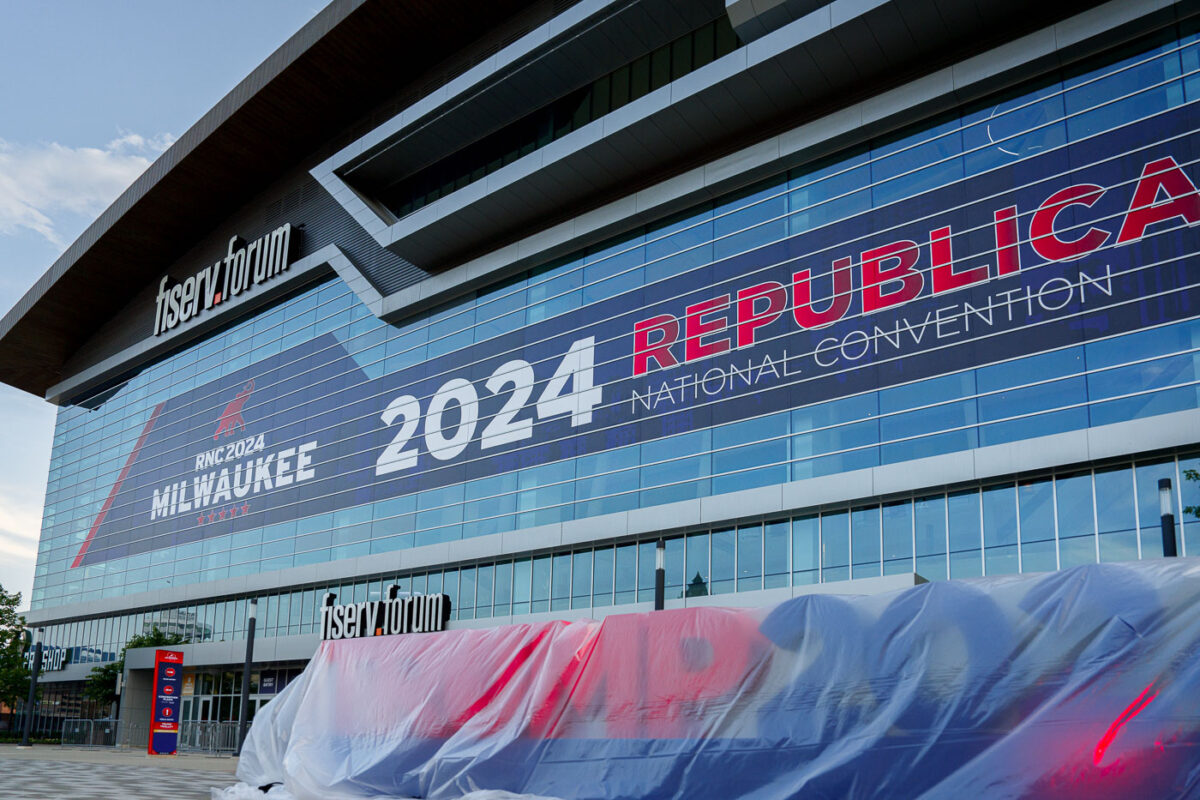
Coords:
pixel 133 735
pixel 90 732
pixel 76 732
pixel 212 738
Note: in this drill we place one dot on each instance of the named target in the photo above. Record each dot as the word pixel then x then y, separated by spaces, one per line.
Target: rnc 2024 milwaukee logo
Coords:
pixel 228 475
pixel 231 417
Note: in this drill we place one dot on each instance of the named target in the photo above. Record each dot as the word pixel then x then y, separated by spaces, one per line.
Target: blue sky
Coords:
pixel 91 92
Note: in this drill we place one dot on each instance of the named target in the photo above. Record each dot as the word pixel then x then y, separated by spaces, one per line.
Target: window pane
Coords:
pixel 581 583
pixel 466 593
pixel 722 562
pixel 308 620
pixel 749 558
pixel 613 269
pixel 1002 132
pixel 823 194
pixel 522 572
pixel 762 441
pixel 1031 399
pixel 1036 500
pixel 864 537
pixel 503 591
pixel 611 477
pixel 775 554
pixel 751 220
pixel 682 243
pixel 541 584
pixel 697 565
pixel 909 164
pixel 1076 526
pixel 930 534
pixel 966 555
pixel 835 547
pixel 602 577
pixel 560 597
pixel 897 538
pixel 1090 96
pixel 674 566
pixel 1114 514
pixel 483 591
pixel 450 587
pixel 645 572
pixel 806 552
pixel 1149 507
pixel 676 478
pixel 626 574
pixel 1000 529
pixel 547 495
pixel 268 614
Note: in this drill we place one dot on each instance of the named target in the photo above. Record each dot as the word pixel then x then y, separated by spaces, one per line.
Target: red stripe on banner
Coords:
pixel 112 495
pixel 1131 711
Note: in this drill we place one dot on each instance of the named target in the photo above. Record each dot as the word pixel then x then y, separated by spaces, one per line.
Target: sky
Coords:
pixel 91 92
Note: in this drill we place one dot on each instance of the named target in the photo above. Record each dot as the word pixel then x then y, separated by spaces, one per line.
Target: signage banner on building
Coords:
pixel 168 691
pixel 388 617
pixel 242 268
pixel 53 658
pixel 1098 238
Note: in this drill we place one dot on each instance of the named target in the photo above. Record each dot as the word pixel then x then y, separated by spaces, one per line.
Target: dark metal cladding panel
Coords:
pixel 297 199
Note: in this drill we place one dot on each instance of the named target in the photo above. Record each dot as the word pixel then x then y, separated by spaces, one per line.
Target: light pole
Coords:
pixel 243 721
pixel 660 575
pixel 1166 507
pixel 37 666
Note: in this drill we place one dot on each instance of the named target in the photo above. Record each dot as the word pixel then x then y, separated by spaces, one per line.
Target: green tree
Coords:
pixel 1192 475
pixel 101 685
pixel 14 675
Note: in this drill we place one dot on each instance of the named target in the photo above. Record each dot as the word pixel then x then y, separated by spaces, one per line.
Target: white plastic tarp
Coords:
pixel 1082 683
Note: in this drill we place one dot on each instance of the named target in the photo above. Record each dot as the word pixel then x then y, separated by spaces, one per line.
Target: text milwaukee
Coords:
pixel 243 266
pixel 288 466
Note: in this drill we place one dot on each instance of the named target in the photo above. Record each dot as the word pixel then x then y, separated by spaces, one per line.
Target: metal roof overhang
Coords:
pixel 345 61
pixel 844 52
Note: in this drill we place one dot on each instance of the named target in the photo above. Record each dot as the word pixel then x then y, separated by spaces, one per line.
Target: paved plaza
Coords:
pixel 48 772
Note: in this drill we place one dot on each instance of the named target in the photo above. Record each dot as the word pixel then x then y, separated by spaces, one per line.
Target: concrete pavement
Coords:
pixel 49 771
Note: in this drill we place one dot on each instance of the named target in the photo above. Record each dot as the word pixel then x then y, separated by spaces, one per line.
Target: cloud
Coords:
pixel 20 526
pixel 25 437
pixel 41 181
pixel 16 544
pixel 18 551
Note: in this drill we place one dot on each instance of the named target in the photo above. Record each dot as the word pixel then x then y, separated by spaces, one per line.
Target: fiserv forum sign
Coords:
pixel 393 615
pixel 244 265
pixel 1074 244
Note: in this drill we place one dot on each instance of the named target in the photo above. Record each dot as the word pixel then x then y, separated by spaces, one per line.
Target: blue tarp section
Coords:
pixel 1083 683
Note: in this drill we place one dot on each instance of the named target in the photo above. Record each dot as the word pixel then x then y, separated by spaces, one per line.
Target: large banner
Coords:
pixel 1085 241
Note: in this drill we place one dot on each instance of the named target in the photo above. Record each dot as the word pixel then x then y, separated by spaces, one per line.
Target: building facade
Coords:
pixel 822 293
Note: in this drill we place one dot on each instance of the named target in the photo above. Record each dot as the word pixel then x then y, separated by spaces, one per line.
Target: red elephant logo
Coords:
pixel 231 417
